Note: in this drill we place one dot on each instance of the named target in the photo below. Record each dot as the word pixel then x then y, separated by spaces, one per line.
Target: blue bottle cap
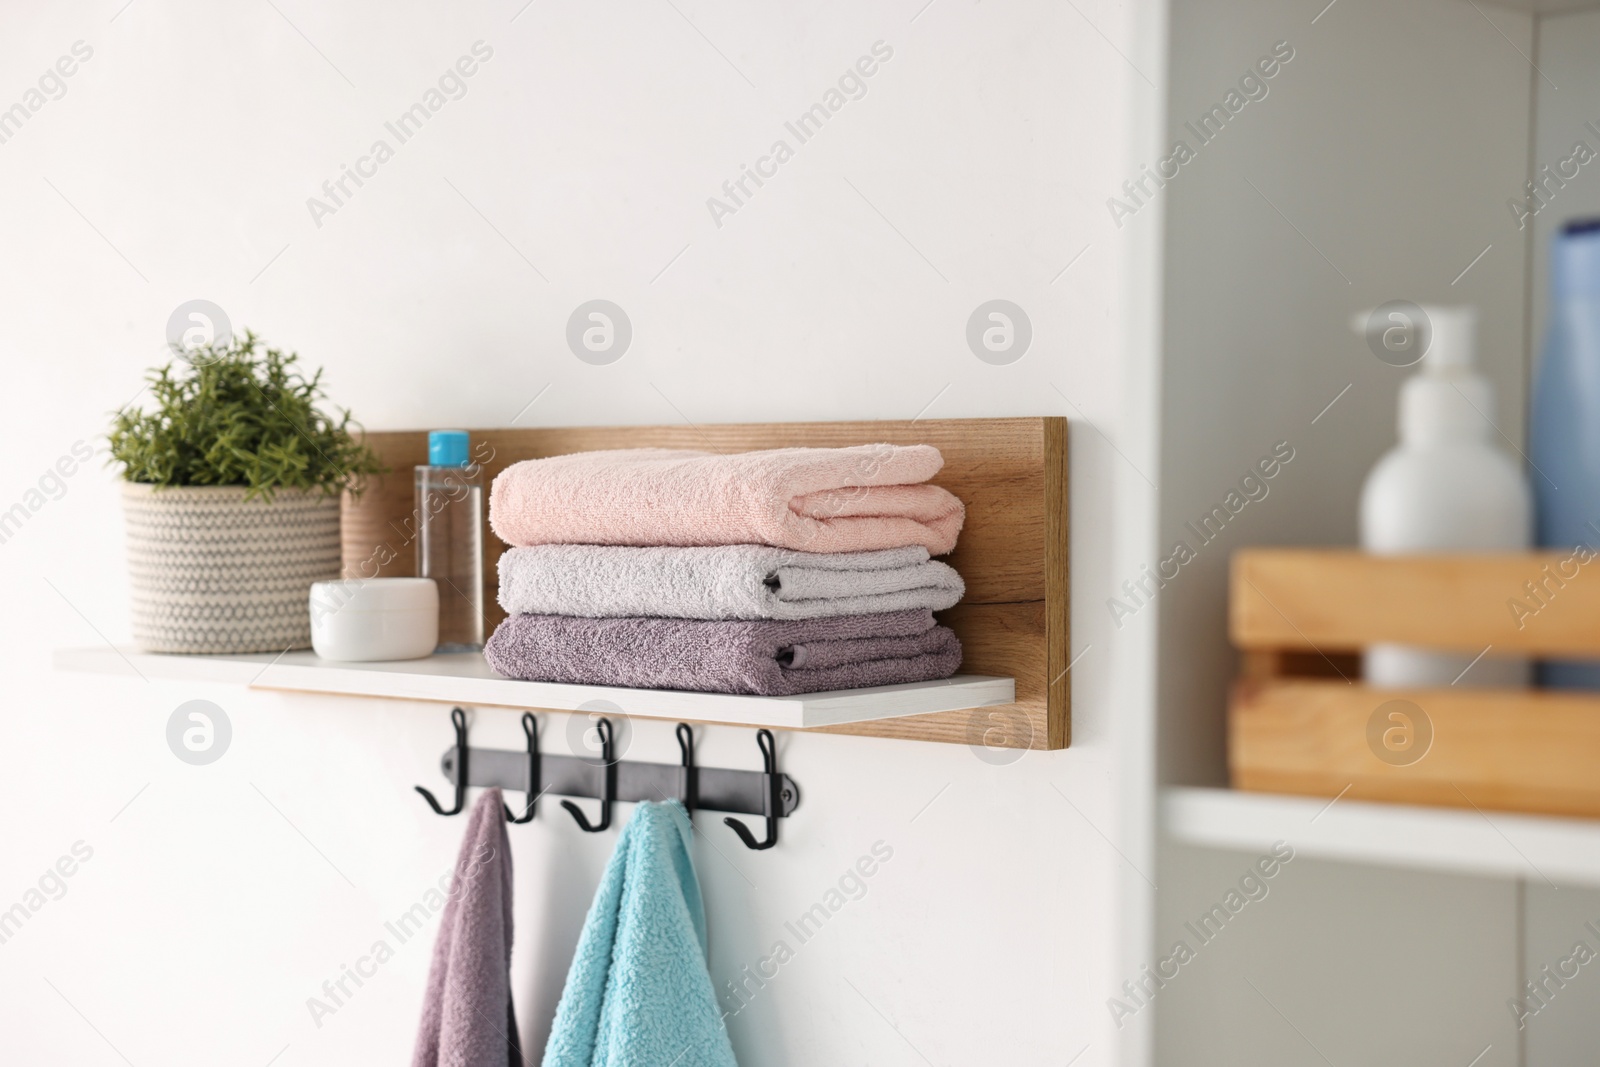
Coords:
pixel 1575 260
pixel 447 448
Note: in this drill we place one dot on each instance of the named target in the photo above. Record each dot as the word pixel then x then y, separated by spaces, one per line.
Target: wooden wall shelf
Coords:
pixel 1011 473
pixel 1301 721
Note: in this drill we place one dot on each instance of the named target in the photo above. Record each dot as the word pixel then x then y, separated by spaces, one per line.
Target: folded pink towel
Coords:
pixel 857 499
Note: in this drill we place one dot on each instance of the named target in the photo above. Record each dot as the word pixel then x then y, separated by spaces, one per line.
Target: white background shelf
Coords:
pixel 1562 851
pixel 465 678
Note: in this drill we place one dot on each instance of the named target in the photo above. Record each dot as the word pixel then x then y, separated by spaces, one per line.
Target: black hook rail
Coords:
pixel 767 792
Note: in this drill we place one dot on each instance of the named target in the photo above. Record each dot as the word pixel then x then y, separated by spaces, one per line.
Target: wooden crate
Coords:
pixel 1301 721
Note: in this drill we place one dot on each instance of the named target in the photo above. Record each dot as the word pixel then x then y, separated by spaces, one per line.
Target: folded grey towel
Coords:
pixel 723 582
pixel 769 657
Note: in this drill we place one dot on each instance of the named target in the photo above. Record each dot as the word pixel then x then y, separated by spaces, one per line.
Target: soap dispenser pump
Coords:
pixel 1446 487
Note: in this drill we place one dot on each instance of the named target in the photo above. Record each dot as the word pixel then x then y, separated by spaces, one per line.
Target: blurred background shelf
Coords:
pixel 464 678
pixel 1541 849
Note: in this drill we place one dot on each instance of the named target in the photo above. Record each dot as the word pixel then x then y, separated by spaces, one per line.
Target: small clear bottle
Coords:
pixel 449 516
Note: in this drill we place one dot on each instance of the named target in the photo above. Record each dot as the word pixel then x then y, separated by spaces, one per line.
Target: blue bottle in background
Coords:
pixel 1564 422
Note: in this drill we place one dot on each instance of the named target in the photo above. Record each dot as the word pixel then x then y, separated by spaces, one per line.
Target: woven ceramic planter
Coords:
pixel 213 572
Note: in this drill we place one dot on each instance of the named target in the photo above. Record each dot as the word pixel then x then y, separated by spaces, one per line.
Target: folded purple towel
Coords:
pixel 767 657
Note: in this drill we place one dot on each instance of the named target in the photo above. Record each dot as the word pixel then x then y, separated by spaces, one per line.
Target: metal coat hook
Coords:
pixel 772 803
pixel 608 791
pixel 530 727
pixel 458 718
pixel 687 784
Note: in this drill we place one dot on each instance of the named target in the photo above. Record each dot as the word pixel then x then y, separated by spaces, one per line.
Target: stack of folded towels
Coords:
pixel 796 570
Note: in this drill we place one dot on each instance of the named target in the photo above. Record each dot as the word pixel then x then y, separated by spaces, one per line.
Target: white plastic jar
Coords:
pixel 370 619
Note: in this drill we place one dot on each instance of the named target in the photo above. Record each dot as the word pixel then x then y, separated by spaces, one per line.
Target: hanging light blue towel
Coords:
pixel 638 993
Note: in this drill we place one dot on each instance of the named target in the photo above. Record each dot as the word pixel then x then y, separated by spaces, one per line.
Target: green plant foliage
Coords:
pixel 237 412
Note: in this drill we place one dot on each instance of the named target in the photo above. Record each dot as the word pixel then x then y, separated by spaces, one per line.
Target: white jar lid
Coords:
pixel 375 594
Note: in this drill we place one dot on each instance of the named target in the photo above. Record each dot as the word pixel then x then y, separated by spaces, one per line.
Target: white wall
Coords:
pixel 1377 168
pixel 177 166
pixel 1565 53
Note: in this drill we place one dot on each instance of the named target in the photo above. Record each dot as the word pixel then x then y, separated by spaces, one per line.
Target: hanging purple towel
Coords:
pixel 468 1019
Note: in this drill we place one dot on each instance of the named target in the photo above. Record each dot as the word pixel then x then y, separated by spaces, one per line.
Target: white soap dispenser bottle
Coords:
pixel 1446 487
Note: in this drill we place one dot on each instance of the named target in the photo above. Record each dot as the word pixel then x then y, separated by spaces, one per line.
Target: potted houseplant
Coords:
pixel 232 484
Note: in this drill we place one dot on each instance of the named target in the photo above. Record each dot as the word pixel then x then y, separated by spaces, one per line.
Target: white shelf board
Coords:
pixel 1540 848
pixel 465 678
